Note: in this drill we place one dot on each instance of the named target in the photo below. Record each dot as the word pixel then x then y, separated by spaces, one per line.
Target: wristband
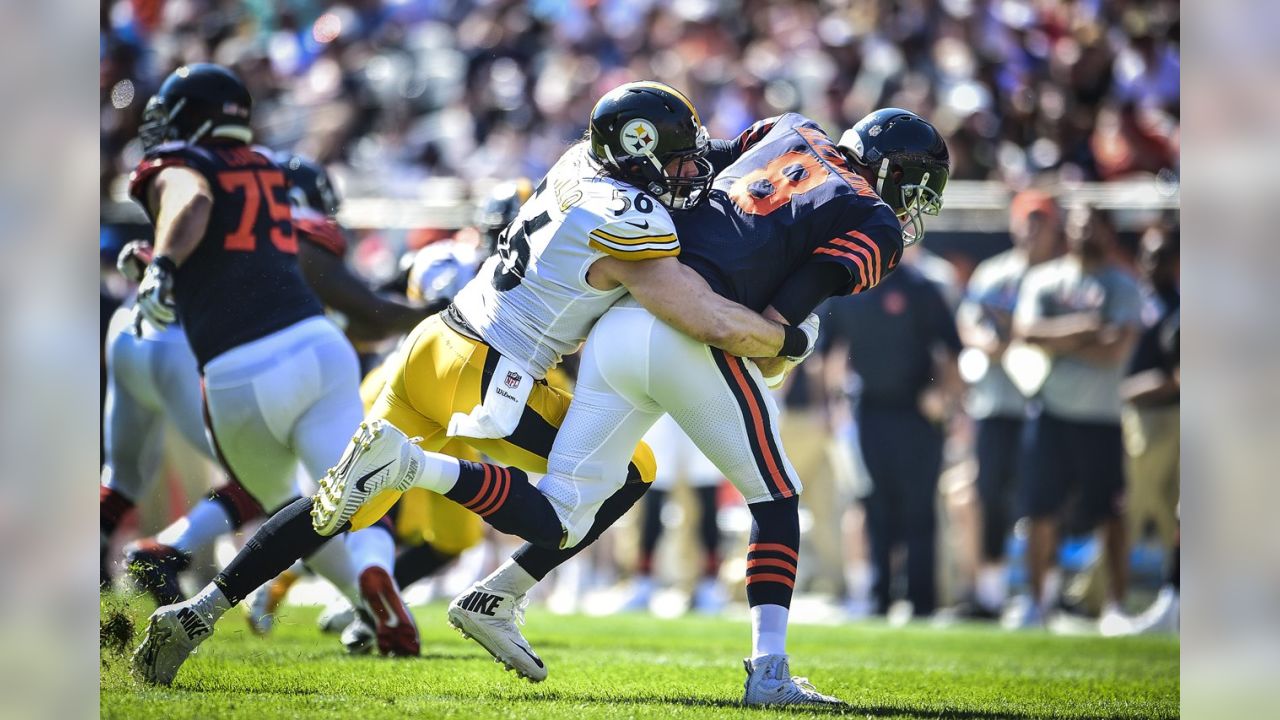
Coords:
pixel 165 263
pixel 794 342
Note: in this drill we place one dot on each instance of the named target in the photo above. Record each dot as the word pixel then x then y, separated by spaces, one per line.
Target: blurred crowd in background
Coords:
pixel 399 90
pixel 924 429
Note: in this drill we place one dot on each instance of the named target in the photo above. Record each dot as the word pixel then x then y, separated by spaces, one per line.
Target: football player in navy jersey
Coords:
pixel 792 218
pixel 155 375
pixel 279 380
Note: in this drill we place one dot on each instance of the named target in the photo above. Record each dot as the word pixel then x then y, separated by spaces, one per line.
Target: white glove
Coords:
pixel 810 328
pixel 155 294
pixel 133 260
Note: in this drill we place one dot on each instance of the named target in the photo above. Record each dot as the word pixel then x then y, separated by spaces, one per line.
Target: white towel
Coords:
pixel 499 412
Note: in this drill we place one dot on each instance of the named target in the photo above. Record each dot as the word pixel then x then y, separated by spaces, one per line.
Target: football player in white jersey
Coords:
pixel 476 372
pixel 794 218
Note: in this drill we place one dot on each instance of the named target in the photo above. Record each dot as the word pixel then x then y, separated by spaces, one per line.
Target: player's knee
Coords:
pixel 783 513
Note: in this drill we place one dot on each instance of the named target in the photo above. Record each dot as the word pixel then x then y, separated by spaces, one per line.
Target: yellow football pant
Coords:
pixel 438 372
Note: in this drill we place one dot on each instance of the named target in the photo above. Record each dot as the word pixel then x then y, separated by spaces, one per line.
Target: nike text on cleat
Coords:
pixel 769 683
pixel 379 457
pixel 480 602
pixel 394 626
pixel 173 633
pixel 492 619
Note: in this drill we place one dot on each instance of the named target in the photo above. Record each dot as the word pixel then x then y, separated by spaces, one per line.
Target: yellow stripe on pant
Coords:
pixel 438 372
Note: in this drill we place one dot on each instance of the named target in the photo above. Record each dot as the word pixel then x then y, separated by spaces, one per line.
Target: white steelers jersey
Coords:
pixel 530 301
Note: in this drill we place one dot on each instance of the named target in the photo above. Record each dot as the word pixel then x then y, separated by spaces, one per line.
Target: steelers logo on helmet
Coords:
pixel 639 137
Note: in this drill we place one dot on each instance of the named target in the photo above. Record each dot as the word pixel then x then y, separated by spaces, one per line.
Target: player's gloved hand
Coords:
pixel 133 260
pixel 155 293
pixel 810 328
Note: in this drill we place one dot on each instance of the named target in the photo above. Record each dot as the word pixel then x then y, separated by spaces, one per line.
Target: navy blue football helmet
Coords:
pixel 906 160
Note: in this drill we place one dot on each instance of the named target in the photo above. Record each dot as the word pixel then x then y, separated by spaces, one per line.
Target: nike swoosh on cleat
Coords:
pixel 364 479
pixel 393 620
pixel 643 225
pixel 532 657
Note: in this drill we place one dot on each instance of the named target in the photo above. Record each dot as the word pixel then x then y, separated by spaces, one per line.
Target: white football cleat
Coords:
pixel 379 457
pixel 491 618
pixel 336 616
pixel 173 633
pixel 769 683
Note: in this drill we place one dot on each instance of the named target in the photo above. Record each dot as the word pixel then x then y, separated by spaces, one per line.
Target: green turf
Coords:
pixel 636 666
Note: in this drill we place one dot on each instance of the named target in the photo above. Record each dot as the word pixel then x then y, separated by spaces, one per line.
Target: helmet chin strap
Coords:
pixel 654 188
pixel 880 177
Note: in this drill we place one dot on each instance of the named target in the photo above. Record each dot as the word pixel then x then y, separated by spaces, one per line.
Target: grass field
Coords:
pixel 636 666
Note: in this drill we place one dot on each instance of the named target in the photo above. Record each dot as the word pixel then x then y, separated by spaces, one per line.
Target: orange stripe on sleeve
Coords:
pixel 873 278
pixel 862 268
pixel 875 248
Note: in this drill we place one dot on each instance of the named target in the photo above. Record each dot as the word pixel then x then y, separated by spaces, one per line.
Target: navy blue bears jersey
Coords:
pixel 242 281
pixel 784 197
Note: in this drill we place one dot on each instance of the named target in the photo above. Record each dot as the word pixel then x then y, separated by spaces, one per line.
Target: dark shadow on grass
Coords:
pixel 455 656
pixel 850 710
pixel 715 702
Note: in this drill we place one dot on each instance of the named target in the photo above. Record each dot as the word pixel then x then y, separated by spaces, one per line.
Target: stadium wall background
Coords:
pixel 973 226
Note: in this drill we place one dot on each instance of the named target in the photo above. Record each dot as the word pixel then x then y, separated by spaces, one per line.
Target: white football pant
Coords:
pixel 147 378
pixel 291 396
pixel 679 460
pixel 634 368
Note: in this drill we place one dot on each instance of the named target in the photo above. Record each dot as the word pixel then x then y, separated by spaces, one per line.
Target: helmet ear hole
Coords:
pixel 897 175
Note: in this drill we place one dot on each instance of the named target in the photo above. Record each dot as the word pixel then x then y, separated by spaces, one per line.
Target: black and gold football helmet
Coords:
pixel 649 135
